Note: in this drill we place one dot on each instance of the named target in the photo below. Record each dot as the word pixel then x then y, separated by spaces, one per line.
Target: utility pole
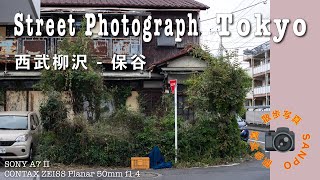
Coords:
pixel 221 48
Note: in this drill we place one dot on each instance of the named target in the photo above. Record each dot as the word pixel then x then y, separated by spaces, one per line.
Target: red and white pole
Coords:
pixel 174 89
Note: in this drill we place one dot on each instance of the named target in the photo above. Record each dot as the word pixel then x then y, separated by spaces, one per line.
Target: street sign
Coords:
pixel 173 84
pixel 174 90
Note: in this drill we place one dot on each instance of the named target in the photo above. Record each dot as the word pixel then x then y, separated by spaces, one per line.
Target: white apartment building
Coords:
pixel 259 69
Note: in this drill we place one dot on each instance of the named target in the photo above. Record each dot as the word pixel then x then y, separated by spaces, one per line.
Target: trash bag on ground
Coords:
pixel 157 160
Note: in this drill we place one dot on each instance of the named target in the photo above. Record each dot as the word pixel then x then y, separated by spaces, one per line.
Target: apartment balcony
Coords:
pixel 261 90
pixel 261 69
pixel 249 95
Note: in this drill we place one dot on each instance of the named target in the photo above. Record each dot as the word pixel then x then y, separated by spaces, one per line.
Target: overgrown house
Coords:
pixel 165 58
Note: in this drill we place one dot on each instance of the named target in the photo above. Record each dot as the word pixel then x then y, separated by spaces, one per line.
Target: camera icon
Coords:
pixel 281 140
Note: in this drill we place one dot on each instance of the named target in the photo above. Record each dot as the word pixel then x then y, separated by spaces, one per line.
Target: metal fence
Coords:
pixel 254 113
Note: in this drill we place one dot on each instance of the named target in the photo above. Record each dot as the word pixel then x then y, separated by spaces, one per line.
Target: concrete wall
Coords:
pixel 35 100
pixel 16 100
pixel 254 117
pixel 187 61
pixel 132 101
pixel 180 77
pixel 32 100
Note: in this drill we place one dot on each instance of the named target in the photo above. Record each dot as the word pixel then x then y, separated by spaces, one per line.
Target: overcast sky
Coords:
pixel 208 28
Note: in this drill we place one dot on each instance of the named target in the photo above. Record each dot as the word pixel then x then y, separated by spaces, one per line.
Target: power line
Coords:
pixel 239 47
pixel 264 2
pixel 241 13
pixel 237 41
pixel 237 10
pixel 215 41
pixel 238 5
pixel 254 23
pixel 248 41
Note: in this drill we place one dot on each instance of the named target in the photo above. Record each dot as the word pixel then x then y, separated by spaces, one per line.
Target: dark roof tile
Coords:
pixel 183 52
pixel 156 4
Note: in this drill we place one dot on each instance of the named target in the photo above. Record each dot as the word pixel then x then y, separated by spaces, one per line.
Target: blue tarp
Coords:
pixel 157 160
pixel 245 135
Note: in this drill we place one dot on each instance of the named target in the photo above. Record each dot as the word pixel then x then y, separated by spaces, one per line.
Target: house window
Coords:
pixel 164 40
pixel 151 100
pixel 185 109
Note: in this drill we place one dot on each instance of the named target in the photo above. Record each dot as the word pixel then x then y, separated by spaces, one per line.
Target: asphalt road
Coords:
pixel 250 170
pixel 261 139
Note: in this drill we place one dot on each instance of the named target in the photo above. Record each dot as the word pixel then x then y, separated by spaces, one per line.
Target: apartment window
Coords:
pixel 258 103
pixel 248 102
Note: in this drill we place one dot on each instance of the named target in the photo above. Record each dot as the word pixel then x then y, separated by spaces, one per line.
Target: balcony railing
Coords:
pixel 261 69
pixel 249 94
pixel 102 47
pixel 261 90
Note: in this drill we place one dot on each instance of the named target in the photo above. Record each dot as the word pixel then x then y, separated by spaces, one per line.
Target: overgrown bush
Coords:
pixel 53 112
pixel 109 142
pixel 218 95
pixel 120 94
pixel 145 132
pixel 210 139
pixel 78 142
pixel 132 121
pixel 112 143
pixel 221 88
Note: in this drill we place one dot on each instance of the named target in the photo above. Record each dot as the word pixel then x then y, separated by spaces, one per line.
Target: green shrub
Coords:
pixel 217 94
pixel 53 112
pixel 113 141
pixel 132 121
pixel 78 143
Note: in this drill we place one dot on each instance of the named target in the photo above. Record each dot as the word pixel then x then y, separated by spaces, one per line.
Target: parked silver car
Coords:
pixel 241 122
pixel 17 134
pixel 244 132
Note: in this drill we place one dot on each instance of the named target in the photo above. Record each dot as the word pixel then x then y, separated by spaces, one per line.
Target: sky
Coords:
pixel 210 37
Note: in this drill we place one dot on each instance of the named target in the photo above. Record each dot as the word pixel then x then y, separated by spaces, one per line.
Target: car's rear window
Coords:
pixel 13 122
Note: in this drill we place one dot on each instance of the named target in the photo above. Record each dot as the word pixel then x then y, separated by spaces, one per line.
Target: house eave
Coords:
pixel 105 9
pixel 32 75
